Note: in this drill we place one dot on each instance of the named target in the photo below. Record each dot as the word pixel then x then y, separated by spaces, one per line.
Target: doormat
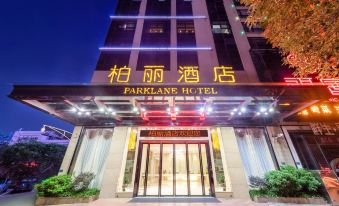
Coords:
pixel 174 200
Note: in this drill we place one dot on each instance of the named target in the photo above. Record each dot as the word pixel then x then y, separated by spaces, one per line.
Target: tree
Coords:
pixel 24 160
pixel 306 32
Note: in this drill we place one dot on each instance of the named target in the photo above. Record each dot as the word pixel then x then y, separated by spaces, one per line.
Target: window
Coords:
pixel 254 151
pixel 156 33
pixel 185 27
pixel 220 28
pixel 121 33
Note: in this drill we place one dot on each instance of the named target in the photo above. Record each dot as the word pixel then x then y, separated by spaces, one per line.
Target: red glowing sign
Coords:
pixel 331 83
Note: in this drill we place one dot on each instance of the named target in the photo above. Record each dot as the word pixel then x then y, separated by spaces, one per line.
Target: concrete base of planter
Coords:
pixel 295 200
pixel 63 200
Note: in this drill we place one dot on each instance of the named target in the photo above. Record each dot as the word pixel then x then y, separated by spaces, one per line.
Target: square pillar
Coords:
pixel 66 163
pixel 234 164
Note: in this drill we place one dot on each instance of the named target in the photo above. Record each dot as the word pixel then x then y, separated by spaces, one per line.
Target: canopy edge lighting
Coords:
pixel 154 48
pixel 157 17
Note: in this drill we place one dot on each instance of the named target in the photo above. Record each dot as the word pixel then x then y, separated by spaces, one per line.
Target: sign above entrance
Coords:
pixel 174 133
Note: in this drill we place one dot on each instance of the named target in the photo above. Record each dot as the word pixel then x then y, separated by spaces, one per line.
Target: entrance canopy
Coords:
pixel 104 105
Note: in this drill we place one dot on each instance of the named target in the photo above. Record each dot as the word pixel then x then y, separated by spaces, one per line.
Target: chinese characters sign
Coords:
pixel 173 133
pixel 155 74
pixel 329 129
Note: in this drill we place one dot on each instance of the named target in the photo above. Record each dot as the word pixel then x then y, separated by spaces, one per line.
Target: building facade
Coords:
pixel 187 101
pixel 47 135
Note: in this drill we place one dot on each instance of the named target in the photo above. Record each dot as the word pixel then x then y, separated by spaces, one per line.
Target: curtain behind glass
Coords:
pixel 93 154
pixel 254 151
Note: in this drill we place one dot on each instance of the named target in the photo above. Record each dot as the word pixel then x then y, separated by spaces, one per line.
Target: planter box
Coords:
pixel 295 200
pixel 64 200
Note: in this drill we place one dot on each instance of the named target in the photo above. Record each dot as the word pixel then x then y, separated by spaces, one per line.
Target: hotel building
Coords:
pixel 186 100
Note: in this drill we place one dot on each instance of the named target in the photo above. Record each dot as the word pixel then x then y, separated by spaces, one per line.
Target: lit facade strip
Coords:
pixel 157 17
pixel 154 48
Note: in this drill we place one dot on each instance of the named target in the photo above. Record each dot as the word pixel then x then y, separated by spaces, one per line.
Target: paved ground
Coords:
pixel 20 199
pixel 27 199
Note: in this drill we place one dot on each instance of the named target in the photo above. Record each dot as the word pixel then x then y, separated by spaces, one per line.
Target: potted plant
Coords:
pixel 64 189
pixel 287 185
pixel 125 183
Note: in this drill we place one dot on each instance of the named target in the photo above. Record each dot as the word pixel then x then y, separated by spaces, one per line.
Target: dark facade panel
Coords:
pixel 268 61
pixel 226 48
pixel 158 7
pixel 184 8
pixel 108 60
pixel 147 58
pixel 128 7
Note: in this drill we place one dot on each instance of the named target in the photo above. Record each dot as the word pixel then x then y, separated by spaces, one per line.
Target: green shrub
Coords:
pixel 87 193
pixel 56 186
pixel 64 186
pixel 292 182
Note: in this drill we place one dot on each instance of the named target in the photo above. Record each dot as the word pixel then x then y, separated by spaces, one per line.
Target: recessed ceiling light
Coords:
pixel 73 110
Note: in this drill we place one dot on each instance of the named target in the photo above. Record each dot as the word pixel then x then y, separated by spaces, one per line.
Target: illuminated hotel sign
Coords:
pixel 173 133
pixel 135 90
pixel 155 74
pixel 331 83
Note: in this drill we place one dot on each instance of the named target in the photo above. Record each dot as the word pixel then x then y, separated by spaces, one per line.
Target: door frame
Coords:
pixel 173 142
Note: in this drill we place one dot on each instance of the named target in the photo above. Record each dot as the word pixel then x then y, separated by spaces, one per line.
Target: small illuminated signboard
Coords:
pixel 174 133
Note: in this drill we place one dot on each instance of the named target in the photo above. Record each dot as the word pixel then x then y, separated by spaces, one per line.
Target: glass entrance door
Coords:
pixel 165 169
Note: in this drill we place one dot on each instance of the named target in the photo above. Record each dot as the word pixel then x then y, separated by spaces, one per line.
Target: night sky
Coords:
pixel 44 42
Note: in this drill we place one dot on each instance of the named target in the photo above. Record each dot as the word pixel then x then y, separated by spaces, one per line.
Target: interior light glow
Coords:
pixel 239 113
pixel 209 109
pixel 235 110
pixel 168 109
pixel 82 109
pixel 201 109
pixel 271 110
pixel 101 109
pixel 109 109
pixel 87 113
pixel 263 109
pixel 73 110
pixel 157 17
pixel 258 113
pixel 154 48
pixel 266 113
pixel 113 113
pixel 243 109
pixel 79 113
pixel 232 113
pixel 176 109
pixel 135 109
pixel 143 109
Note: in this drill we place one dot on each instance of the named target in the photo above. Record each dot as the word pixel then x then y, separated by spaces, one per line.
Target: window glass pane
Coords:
pixel 93 154
pixel 254 151
pixel 143 170
pixel 127 181
pixel 153 170
pixel 280 146
pixel 167 170
pixel 205 169
pixel 194 169
pixel 180 170
pixel 219 169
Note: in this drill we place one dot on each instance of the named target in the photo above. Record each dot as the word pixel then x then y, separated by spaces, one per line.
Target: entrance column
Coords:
pixel 114 164
pixel 234 164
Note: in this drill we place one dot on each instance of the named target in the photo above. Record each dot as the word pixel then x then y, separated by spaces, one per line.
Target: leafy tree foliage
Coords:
pixel 306 31
pixel 24 160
